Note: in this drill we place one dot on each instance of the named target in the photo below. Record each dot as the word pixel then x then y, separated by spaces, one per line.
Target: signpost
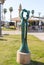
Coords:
pixel 23 54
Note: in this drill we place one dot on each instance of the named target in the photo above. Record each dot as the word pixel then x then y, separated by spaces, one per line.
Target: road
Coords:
pixel 38 35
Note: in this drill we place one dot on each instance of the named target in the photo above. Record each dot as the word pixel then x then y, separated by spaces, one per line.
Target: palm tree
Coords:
pixel 32 12
pixel 39 13
pixel 5 10
pixel 29 13
pixel 11 9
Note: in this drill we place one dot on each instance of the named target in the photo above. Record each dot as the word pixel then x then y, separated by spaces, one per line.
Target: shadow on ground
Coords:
pixel 3 40
pixel 35 63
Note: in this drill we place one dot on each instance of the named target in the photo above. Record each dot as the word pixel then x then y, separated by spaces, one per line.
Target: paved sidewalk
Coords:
pixel 11 32
pixel 38 35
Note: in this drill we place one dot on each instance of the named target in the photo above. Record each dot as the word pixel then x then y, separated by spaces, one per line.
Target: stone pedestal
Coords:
pixel 23 58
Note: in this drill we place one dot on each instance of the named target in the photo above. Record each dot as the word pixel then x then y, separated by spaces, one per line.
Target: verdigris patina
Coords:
pixel 24 20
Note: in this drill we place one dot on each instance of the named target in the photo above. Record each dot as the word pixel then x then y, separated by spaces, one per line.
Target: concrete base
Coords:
pixel 23 58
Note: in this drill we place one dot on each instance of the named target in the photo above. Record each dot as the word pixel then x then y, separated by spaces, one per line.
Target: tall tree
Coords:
pixel 11 9
pixel 5 10
pixel 32 12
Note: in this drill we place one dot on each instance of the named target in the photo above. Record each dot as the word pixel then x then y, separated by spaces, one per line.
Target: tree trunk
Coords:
pixel 0 20
pixel 0 29
pixel 10 17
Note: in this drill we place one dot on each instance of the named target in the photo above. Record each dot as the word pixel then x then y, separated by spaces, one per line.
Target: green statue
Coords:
pixel 24 20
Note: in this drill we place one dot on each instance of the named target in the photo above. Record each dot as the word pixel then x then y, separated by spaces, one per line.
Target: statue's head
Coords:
pixel 24 14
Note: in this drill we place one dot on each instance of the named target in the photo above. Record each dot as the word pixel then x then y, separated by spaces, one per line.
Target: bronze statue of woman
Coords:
pixel 24 20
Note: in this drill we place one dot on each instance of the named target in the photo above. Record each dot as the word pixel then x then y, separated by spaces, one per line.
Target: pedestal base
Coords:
pixel 23 58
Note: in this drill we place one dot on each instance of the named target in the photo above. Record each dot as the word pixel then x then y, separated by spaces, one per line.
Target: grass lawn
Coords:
pixel 9 44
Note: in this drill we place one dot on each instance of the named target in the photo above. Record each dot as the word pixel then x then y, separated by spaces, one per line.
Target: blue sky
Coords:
pixel 36 5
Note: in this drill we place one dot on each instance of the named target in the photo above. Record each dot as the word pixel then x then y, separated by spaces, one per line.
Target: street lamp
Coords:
pixel 39 22
pixel 1 3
